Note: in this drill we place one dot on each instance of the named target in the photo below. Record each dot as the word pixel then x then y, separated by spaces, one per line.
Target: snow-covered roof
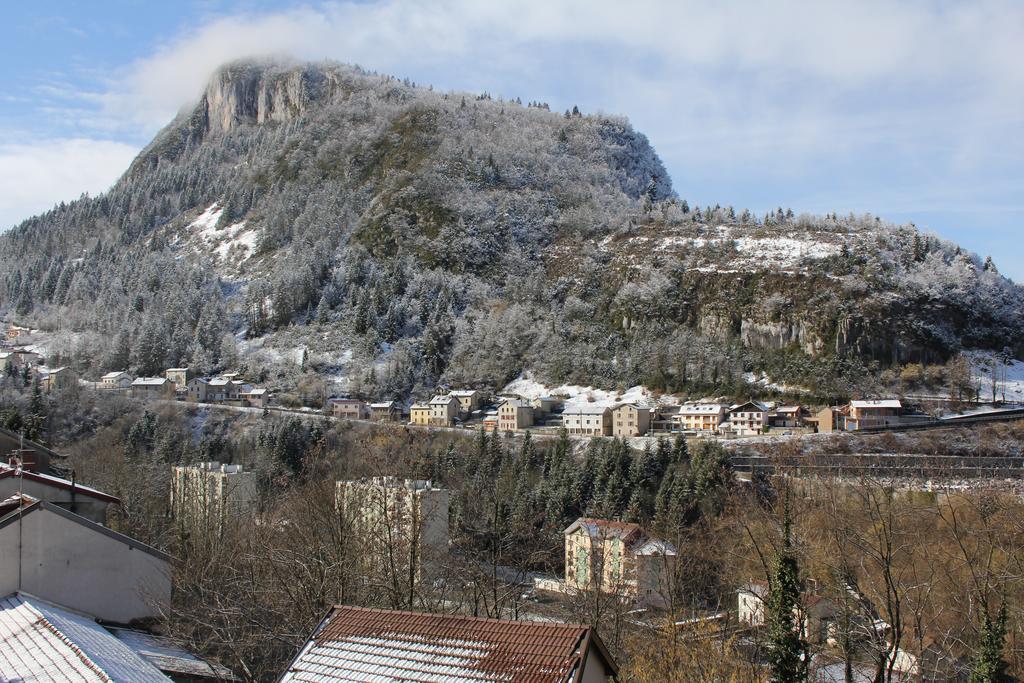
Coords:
pixel 177 369
pixel 653 546
pixel 114 375
pixel 149 381
pixel 702 409
pixel 360 644
pixel 386 405
pixel 219 382
pixel 464 393
pixel 585 409
pixel 45 643
pixel 877 403
pixel 255 392
pixel 441 400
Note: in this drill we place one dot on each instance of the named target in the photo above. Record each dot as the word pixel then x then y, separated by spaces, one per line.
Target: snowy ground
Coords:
pixel 1009 378
pixel 529 389
pixel 232 243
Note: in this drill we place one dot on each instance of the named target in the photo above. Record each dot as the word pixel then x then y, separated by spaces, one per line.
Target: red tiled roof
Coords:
pixel 356 643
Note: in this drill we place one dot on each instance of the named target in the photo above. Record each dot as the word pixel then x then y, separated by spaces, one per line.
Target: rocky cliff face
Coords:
pixel 253 94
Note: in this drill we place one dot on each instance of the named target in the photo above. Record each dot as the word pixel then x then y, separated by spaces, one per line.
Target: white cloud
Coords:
pixel 37 175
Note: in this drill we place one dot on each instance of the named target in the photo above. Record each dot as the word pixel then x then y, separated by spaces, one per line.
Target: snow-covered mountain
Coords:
pixel 400 236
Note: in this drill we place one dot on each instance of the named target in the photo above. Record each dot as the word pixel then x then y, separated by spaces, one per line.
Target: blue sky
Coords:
pixel 912 110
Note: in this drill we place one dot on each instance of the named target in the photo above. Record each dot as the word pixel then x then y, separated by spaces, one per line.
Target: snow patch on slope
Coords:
pixel 575 394
pixel 1008 375
pixel 235 240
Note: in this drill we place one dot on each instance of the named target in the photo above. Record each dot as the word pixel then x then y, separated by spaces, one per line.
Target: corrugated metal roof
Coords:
pixel 359 644
pixel 165 655
pixel 46 644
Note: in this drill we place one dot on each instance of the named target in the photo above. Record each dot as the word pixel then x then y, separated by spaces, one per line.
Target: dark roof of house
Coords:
pixel 356 643
pixel 56 482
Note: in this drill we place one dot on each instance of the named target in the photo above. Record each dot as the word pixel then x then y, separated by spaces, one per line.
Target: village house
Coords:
pixel 252 397
pixel 789 417
pixel 587 420
pixel 65 558
pixel 116 380
pixel 385 411
pixel 364 644
pixel 419 414
pixel 180 376
pixel 206 494
pixel 815 613
pixel 873 413
pixel 629 419
pixel 6 360
pixel 198 389
pixel 222 389
pixel 64 493
pixel 152 388
pixel 349 408
pixel 545 405
pixel 664 418
pixel 469 400
pixel 444 410
pixel 403 518
pixel 619 558
pixel 54 379
pixel 15 331
pixel 700 417
pixel 490 421
pixel 830 419
pixel 514 415
pixel 745 419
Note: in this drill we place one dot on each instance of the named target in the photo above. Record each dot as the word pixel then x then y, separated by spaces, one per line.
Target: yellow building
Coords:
pixel 619 558
pixel 419 414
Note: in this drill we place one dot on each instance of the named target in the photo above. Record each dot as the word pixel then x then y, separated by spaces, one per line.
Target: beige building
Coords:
pixel 395 517
pixel 349 409
pixel 152 388
pixel 222 389
pixel 700 417
pixel 253 397
pixel 469 400
pixel 67 559
pixel 514 415
pixel 587 420
pixel 198 389
pixel 629 419
pixel 789 416
pixel 180 377
pixel 419 414
pixel 206 494
pixel 746 419
pixel 64 493
pixel 385 411
pixel 816 614
pixel 54 379
pixel 620 558
pixel 873 413
pixel 116 380
pixel 444 410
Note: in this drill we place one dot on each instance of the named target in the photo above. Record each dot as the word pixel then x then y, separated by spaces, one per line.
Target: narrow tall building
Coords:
pixel 401 522
pixel 207 493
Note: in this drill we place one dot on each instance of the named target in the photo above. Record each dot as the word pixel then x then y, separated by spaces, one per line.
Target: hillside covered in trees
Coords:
pixel 399 237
